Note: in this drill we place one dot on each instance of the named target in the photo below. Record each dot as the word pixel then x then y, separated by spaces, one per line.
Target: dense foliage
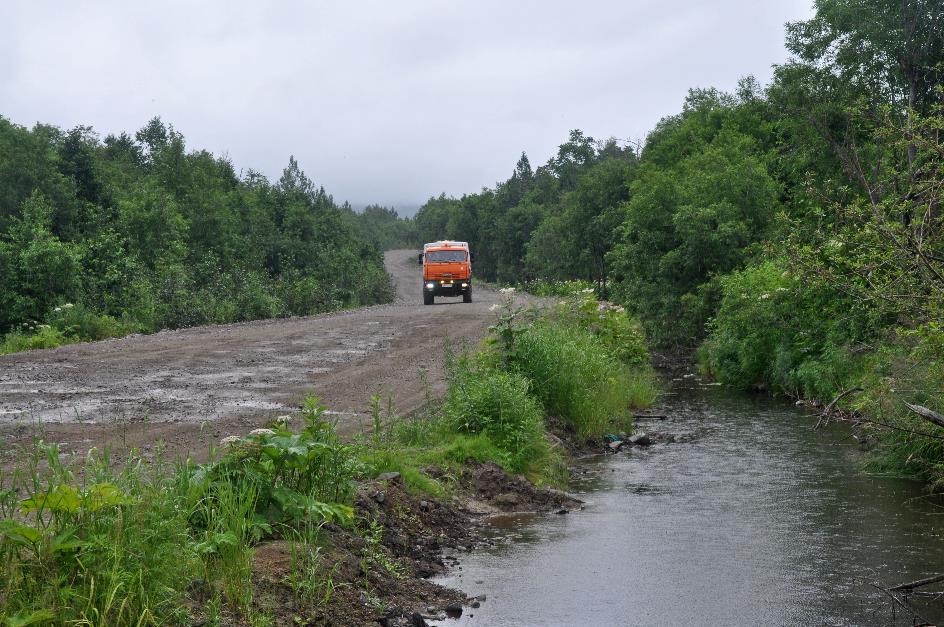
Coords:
pixel 148 235
pixel 793 230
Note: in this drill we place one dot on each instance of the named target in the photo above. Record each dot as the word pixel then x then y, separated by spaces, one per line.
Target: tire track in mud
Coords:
pixel 189 387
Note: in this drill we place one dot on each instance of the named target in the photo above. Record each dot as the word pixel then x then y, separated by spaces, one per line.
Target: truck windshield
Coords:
pixel 445 256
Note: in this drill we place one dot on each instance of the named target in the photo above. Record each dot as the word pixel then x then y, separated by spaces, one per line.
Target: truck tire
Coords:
pixel 467 296
pixel 427 298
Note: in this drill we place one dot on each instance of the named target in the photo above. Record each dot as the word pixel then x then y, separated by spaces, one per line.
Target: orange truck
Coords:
pixel 447 270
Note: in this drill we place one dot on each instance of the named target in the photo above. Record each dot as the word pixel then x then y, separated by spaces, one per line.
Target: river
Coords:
pixel 752 517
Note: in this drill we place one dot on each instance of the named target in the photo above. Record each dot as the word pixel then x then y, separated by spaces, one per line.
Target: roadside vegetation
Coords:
pixel 789 232
pixel 99 541
pixel 140 234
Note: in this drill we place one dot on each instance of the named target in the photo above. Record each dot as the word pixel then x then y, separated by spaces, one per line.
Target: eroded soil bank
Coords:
pixel 380 571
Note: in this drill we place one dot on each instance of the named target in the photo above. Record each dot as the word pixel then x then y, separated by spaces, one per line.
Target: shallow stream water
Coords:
pixel 751 518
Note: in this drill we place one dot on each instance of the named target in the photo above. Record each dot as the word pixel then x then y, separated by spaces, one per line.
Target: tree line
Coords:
pixel 789 232
pixel 141 232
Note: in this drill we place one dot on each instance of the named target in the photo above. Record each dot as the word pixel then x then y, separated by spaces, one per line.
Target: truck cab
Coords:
pixel 447 270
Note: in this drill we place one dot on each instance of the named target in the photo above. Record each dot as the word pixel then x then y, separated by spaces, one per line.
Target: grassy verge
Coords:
pixel 93 542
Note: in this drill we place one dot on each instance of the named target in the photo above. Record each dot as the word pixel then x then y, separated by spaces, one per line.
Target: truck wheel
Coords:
pixel 427 298
pixel 467 296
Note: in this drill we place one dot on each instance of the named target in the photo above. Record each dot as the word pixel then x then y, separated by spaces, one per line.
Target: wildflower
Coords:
pixel 507 290
pixel 283 420
pixel 262 432
pixel 57 309
pixel 764 296
pixel 42 326
pixel 68 306
pixel 588 290
pixel 781 289
pixel 230 440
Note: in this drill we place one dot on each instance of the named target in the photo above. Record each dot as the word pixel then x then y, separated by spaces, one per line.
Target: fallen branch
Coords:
pixel 897 428
pixel 928 414
pixel 911 585
pixel 824 417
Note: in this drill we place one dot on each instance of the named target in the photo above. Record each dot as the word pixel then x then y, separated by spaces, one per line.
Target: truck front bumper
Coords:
pixel 455 287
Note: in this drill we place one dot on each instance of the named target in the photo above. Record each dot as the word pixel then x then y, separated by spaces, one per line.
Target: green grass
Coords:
pixel 110 548
pixel 92 542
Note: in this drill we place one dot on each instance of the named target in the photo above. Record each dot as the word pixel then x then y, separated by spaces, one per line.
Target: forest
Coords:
pixel 104 237
pixel 789 234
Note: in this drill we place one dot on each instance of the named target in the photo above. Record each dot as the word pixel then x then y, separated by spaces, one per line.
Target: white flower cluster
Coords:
pixel 507 290
pixel 262 432
pixel 230 440
pixel 608 306
pixel 283 421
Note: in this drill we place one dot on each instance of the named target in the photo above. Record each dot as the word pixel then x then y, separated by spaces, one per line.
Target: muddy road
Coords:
pixel 190 387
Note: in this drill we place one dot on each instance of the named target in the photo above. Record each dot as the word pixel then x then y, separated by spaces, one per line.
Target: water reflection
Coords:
pixel 753 517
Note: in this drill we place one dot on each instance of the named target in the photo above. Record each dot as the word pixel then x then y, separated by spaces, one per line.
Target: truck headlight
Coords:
pixel 465 285
pixel 430 286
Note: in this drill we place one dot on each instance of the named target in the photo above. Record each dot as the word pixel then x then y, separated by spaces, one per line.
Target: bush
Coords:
pixel 574 375
pixel 43 337
pixel 622 334
pixel 774 332
pixel 66 324
pixel 485 400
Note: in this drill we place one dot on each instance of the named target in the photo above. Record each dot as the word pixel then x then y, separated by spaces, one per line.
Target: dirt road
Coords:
pixel 190 387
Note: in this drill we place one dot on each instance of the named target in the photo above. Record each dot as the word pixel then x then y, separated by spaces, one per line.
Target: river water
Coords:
pixel 751 518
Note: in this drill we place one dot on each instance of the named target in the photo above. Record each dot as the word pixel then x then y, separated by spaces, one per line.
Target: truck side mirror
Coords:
pixel 471 256
pixel 419 259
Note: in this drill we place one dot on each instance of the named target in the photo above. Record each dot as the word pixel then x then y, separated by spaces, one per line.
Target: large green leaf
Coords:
pixel 62 499
pixel 19 533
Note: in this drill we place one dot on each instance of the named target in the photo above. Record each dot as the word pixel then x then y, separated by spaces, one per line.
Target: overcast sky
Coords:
pixel 390 101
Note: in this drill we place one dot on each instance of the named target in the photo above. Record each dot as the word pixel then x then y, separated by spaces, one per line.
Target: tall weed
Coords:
pixel 575 376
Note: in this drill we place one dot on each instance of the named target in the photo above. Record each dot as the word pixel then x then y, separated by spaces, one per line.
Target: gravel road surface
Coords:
pixel 190 387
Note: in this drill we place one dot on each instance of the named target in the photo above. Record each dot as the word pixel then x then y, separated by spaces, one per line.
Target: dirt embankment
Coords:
pixel 384 580
pixel 190 387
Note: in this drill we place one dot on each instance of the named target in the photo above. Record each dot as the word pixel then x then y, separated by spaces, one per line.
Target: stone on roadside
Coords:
pixel 615 445
pixel 388 476
pixel 640 439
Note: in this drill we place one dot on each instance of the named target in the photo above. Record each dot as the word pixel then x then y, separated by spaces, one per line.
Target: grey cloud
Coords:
pixel 386 102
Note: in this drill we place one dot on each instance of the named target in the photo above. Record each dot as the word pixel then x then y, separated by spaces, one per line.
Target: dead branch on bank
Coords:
pixel 928 414
pixel 824 417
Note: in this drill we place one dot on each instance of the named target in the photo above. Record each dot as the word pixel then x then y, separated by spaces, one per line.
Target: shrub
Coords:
pixel 294 477
pixel 622 334
pixel 574 375
pixel 774 332
pixel 44 337
pixel 485 400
